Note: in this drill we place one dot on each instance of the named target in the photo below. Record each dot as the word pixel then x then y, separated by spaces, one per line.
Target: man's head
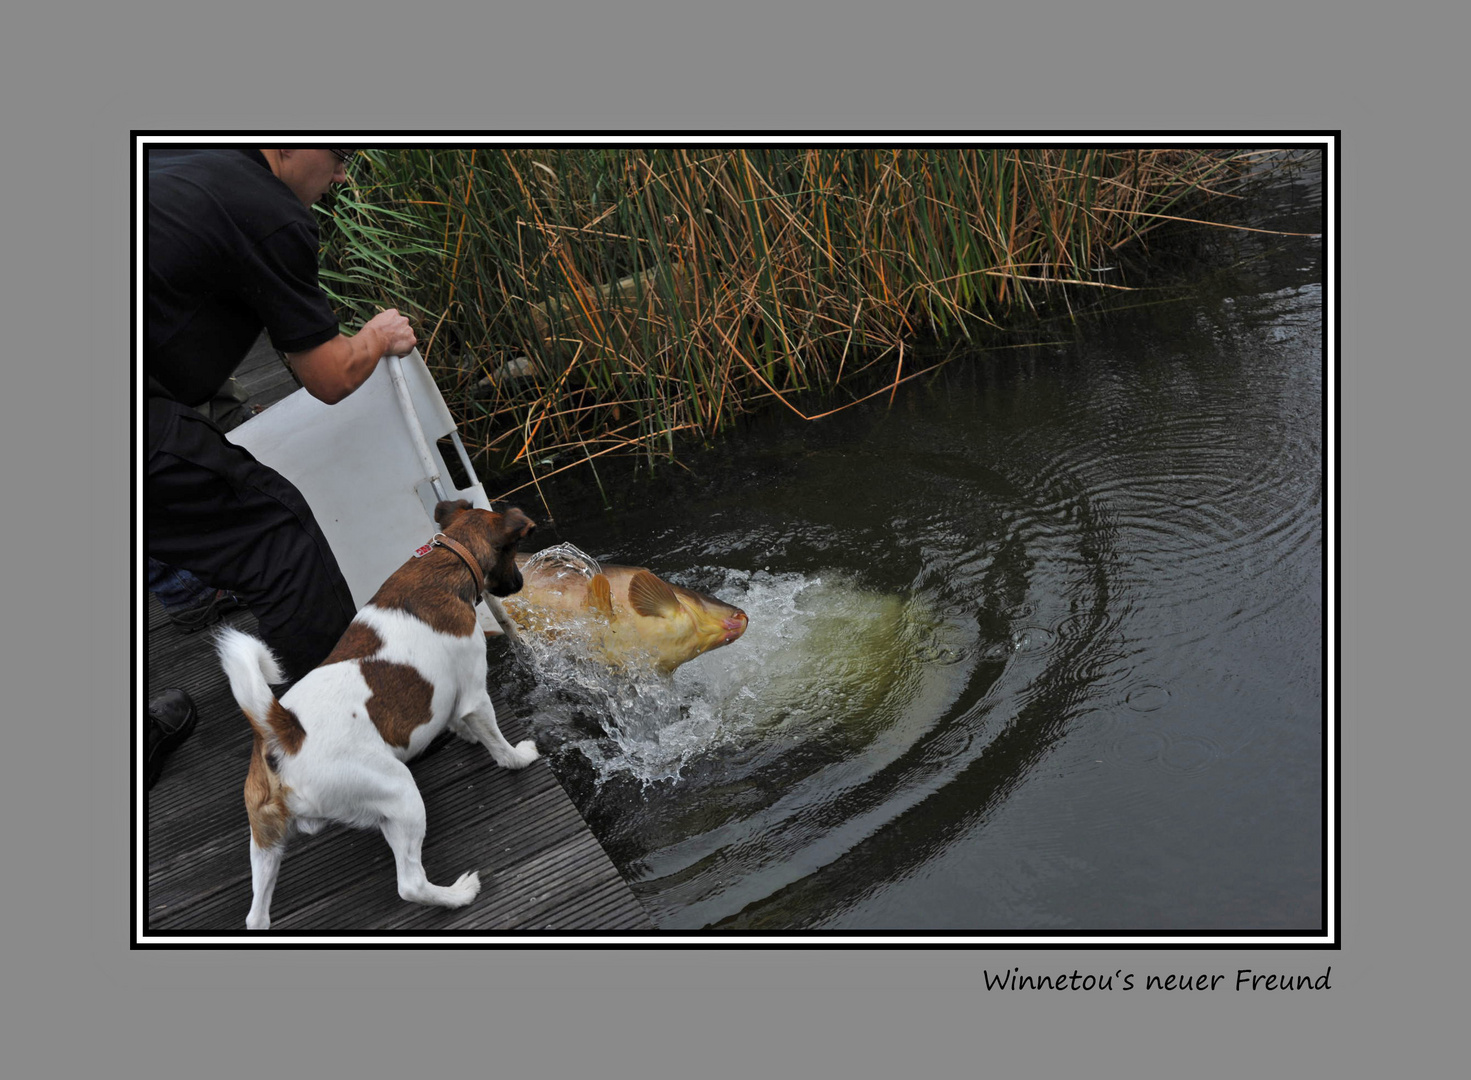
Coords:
pixel 310 174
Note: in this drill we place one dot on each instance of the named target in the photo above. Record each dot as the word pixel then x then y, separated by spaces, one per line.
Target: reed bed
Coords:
pixel 580 302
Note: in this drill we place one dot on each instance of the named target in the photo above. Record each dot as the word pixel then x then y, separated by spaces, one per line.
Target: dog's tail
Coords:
pixel 251 668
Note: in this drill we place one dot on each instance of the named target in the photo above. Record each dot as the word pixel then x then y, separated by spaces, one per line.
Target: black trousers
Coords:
pixel 214 510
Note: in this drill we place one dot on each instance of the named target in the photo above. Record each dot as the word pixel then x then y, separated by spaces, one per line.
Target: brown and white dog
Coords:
pixel 411 663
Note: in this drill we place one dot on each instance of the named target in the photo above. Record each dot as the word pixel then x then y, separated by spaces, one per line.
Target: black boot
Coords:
pixel 171 719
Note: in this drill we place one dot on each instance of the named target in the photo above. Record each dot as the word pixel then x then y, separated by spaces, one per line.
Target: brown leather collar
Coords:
pixel 440 540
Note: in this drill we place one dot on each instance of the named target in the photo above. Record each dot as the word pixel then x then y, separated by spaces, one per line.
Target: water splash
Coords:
pixel 567 559
pixel 821 659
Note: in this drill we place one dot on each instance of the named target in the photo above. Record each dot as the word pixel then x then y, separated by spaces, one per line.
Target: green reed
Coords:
pixel 655 294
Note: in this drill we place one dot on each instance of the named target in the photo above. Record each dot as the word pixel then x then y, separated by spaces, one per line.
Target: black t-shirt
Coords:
pixel 230 249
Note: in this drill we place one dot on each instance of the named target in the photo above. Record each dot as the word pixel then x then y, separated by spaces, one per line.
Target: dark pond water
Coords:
pixel 1038 647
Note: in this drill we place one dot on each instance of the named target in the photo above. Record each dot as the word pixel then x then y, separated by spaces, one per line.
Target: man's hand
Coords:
pixel 398 335
pixel 336 368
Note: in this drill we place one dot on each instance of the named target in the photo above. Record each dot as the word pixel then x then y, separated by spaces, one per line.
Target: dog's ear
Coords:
pixel 446 511
pixel 516 524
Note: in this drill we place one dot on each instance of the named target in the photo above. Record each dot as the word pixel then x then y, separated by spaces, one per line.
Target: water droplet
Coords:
pixel 1148 697
pixel 1139 748
pixel 1189 754
pixel 1032 639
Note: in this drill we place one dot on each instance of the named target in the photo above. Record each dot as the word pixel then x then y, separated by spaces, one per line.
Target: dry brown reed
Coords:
pixel 575 303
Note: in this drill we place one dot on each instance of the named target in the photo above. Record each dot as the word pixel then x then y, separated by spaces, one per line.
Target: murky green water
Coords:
pixel 1038 647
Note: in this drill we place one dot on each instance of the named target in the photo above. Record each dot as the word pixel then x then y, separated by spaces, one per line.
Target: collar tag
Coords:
pixel 425 550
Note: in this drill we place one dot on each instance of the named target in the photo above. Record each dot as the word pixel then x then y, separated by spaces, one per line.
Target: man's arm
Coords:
pixel 336 368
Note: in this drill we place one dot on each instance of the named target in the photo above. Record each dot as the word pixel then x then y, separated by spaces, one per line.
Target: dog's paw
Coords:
pixel 523 754
pixel 465 889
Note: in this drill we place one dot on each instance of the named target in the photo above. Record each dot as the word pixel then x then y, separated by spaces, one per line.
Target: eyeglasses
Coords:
pixel 343 156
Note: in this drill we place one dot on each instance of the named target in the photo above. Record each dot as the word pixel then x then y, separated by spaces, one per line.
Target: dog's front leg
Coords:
pixel 478 725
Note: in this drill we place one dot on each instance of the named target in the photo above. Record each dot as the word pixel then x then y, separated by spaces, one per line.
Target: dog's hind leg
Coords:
pixel 265 865
pixel 404 824
pixel 270 828
pixel 478 725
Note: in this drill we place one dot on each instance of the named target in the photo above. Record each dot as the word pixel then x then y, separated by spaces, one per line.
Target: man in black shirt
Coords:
pixel 232 248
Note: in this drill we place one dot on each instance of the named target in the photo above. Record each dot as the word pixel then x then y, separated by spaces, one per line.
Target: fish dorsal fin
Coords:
pixel 652 597
pixel 599 597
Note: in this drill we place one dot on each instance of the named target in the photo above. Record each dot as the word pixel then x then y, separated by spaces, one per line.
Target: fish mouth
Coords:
pixel 734 626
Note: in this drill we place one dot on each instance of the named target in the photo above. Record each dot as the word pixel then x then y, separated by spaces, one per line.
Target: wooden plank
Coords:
pixel 540 867
pixel 263 375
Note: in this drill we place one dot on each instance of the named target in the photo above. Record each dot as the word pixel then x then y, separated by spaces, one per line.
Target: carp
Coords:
pixel 624 614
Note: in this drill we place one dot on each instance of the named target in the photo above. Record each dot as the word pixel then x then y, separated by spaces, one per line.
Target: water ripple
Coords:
pixel 1046 576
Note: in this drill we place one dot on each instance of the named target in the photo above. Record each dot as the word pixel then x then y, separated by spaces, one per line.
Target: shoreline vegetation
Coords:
pixel 576 303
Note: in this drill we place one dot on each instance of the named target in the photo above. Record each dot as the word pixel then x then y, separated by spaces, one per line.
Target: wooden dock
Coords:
pixel 541 869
